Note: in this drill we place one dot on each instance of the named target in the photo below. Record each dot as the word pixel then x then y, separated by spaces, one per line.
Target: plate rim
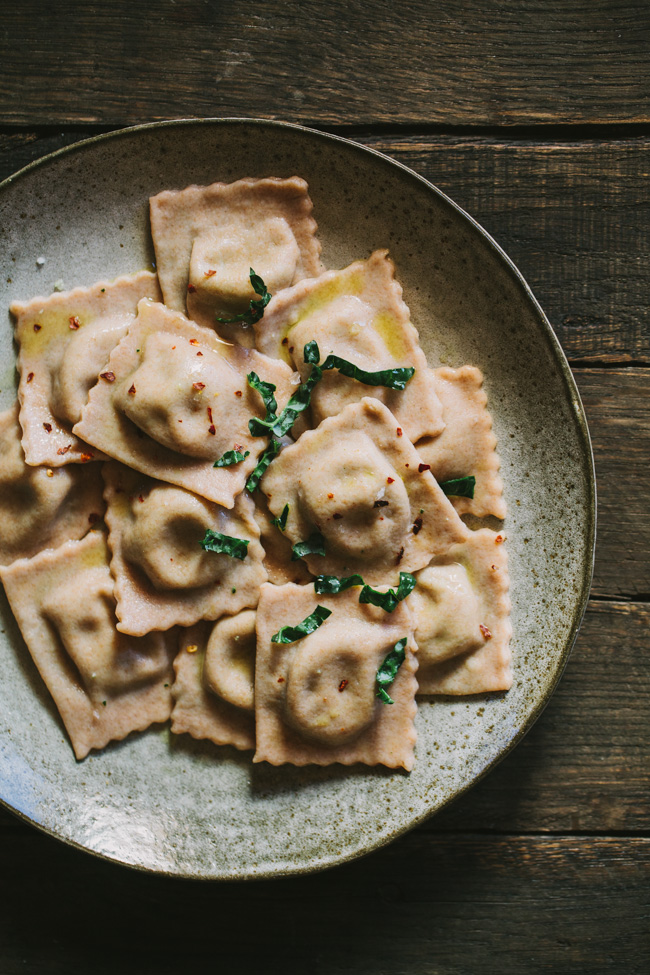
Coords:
pixel 586 462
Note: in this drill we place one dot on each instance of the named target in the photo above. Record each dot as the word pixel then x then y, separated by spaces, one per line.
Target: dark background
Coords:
pixel 534 115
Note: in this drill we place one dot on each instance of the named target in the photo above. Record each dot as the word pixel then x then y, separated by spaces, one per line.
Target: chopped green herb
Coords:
pixel 263 462
pixel 332 584
pixel 297 404
pixel 257 305
pixel 231 457
pixel 226 544
pixel 311 353
pixel 281 522
pixel 388 670
pixel 460 487
pixel 233 590
pixel 104 703
pixel 315 545
pixel 392 378
pixel 389 600
pixel 289 634
pixel 257 427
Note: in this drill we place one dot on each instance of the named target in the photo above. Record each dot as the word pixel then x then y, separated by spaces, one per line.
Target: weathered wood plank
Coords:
pixel 431 905
pixel 584 765
pixel 617 403
pixel 575 218
pixel 495 63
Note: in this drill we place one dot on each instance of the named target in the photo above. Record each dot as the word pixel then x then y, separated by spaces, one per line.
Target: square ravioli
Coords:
pixel 174 398
pixel 215 682
pixel 41 507
pixel 357 487
pixel 316 700
pixel 358 314
pixel 462 626
pixel 163 576
pixel 207 238
pixel 104 684
pixel 64 343
pixel 467 445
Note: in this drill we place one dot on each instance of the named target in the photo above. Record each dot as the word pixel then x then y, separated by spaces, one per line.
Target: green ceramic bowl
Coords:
pixel 181 807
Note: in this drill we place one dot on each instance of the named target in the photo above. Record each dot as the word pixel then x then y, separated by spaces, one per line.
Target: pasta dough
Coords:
pixel 174 398
pixel 64 343
pixel 104 684
pixel 162 575
pixel 41 507
pixel 357 482
pixel 316 699
pixel 358 314
pixel 467 445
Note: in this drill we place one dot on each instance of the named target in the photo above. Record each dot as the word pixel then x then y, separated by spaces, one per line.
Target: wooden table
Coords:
pixel 534 115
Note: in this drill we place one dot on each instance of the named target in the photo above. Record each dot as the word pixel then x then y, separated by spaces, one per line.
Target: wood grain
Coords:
pixel 499 62
pixel 445 905
pixel 574 217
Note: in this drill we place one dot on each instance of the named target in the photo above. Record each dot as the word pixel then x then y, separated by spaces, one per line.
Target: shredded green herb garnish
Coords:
pixel 263 462
pixel 257 305
pixel 331 585
pixel 388 670
pixel 389 600
pixel 392 378
pixel 289 634
pixel 460 487
pixel 257 427
pixel 225 544
pixel 314 545
pixel 281 522
pixel 231 457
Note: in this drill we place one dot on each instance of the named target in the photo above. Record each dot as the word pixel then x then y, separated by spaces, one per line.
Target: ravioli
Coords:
pixel 359 315
pixel 41 507
pixel 467 445
pixel 316 699
pixel 64 343
pixel 174 398
pixel 462 627
pixel 207 238
pixel 215 682
pixel 104 684
pixel 163 577
pixel 357 481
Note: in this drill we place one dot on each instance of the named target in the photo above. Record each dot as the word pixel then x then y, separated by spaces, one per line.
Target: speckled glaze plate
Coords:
pixel 180 807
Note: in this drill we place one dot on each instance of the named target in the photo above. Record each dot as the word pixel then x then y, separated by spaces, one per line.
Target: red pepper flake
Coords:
pixel 191 289
pixel 285 341
pixel 343 685
pixel 498 539
pixel 238 392
pixel 210 414
pixel 407 465
pixel 37 327
pixel 132 391
pixel 484 630
pixel 74 322
pixel 390 480
pixel 48 427
pixel 86 457
pixel 380 503
pixel 424 467
pixel 417 525
pixel 194 341
pixel 291 349
pixel 140 499
pixel 93 518
pixel 280 680
pixel 399 431
pixel 337 516
pixel 494 568
pixel 199 353
pixel 399 556
pixel 210 273
pixel 173 347
pixel 198 386
pixel 30 377
pixel 212 429
pixel 108 376
pixel 64 450
pixel 330 495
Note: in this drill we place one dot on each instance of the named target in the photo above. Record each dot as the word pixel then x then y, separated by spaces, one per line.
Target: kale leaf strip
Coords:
pixel 256 306
pixel 289 634
pixel 213 541
pixel 389 600
pixel 388 670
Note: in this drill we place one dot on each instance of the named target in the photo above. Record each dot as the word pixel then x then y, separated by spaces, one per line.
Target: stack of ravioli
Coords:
pixel 131 446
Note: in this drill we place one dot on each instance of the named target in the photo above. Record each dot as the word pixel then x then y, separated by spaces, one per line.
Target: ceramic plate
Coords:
pixel 181 807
